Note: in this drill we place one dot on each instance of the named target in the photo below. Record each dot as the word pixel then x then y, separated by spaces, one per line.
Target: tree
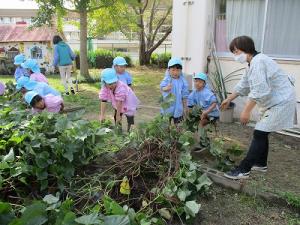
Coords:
pixel 150 19
pixel 49 9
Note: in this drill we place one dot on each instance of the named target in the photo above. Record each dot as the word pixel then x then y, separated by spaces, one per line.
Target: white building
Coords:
pixel 273 25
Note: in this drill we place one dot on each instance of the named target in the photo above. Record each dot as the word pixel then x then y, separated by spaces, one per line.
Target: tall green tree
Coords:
pixel 50 9
pixel 149 19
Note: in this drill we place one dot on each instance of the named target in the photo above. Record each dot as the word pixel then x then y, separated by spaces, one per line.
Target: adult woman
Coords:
pixel 63 57
pixel 271 89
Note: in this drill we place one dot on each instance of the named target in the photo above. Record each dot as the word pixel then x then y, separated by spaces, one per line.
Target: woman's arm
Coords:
pixel 230 98
pixel 245 115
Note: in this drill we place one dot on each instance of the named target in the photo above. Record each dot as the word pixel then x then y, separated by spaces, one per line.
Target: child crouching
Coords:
pixel 121 96
pixel 50 103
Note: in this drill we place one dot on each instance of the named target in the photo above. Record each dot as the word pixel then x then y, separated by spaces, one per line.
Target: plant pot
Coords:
pixel 226 116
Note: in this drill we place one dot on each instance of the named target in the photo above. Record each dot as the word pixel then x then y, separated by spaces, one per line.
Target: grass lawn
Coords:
pixel 145 85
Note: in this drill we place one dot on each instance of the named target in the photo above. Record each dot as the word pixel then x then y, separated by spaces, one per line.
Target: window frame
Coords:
pixel 230 55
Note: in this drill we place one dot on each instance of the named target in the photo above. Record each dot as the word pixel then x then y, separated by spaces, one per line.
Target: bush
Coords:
pixel 101 58
pixel 161 60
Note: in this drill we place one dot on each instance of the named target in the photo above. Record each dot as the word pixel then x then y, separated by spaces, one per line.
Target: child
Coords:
pixel 203 97
pixel 123 99
pixel 34 70
pixel 2 88
pixel 49 102
pixel 20 71
pixel 24 84
pixel 176 84
pixel 119 64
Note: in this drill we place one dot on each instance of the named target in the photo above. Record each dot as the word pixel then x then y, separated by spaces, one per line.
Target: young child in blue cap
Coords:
pixel 175 83
pixel 50 103
pixel 20 71
pixel 119 64
pixel 24 84
pixel 203 97
pixel 121 96
pixel 34 70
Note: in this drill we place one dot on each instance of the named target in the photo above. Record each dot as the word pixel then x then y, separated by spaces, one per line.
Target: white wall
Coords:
pixel 190 35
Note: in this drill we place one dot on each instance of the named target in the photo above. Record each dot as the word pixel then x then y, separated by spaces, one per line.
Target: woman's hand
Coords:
pixel 225 104
pixel 245 117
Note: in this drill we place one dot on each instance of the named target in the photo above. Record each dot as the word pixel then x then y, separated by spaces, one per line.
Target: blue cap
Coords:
pixel 21 82
pixel 19 59
pixel 32 65
pixel 109 76
pixel 119 61
pixel 201 76
pixel 29 96
pixel 174 61
pixel 30 85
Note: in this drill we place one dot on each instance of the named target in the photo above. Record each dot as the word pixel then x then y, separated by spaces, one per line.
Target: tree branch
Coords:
pixel 160 41
pixel 160 23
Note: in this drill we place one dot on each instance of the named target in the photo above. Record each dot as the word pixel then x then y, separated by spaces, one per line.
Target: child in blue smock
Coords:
pixel 20 71
pixel 203 97
pixel 119 64
pixel 175 83
pixel 24 84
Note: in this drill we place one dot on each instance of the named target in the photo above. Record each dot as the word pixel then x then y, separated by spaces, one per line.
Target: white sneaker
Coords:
pixel 263 169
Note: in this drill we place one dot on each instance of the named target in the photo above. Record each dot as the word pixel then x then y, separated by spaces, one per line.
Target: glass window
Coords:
pixel 36 53
pixel 273 34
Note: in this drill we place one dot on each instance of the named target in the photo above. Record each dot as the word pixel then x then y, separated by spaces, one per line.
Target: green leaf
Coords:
pixel 116 220
pixel 34 214
pixel 182 194
pixel 4 165
pixel 10 156
pixel 202 181
pixel 165 213
pixel 6 213
pixel 191 208
pixel 88 219
pixel 42 159
pixel 112 207
pixel 50 199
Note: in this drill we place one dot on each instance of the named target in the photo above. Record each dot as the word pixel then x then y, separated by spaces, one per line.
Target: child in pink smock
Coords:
pixel 122 98
pixel 34 70
pixel 50 103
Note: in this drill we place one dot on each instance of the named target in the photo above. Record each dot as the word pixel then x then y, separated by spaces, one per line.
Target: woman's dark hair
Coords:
pixel 177 66
pixel 56 39
pixel 244 43
pixel 35 100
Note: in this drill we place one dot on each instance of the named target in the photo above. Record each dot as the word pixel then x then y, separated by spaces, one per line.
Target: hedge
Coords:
pixel 101 58
pixel 161 60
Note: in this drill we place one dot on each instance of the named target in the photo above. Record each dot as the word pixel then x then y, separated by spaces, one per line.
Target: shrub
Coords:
pixel 160 60
pixel 101 58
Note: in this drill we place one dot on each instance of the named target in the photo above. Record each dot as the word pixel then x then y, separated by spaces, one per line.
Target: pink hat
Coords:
pixel 2 88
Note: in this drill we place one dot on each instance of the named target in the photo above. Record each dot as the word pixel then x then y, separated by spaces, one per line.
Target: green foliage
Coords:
pixel 102 58
pixel 166 102
pixel 48 147
pixel 161 60
pixel 291 198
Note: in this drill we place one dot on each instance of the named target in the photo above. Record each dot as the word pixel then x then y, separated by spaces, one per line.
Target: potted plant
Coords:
pixel 217 82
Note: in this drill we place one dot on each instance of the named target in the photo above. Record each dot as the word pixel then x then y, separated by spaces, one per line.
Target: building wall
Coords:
pixel 25 48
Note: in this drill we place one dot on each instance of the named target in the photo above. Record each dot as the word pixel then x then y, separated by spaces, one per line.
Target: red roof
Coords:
pixel 21 33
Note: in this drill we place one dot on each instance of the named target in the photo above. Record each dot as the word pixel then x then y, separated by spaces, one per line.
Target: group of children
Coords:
pixel 175 83
pixel 116 88
pixel 34 86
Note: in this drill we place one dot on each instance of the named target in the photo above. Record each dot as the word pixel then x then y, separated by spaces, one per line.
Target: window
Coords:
pixel 36 53
pixel 12 52
pixel 273 25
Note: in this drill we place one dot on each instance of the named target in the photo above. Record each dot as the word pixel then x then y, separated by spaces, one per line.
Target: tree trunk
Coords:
pixel 84 68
